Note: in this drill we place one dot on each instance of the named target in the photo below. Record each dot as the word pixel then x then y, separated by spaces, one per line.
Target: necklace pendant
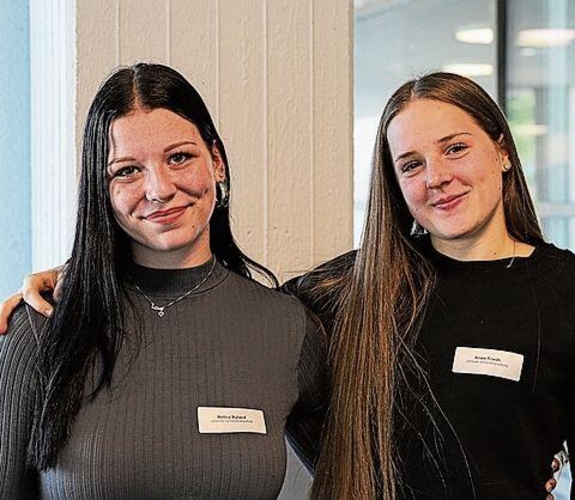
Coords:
pixel 161 310
pixel 158 309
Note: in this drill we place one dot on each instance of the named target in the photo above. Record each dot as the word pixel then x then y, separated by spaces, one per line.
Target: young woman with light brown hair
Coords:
pixel 450 329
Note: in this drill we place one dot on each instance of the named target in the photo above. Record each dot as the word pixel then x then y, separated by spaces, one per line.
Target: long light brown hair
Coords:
pixel 381 304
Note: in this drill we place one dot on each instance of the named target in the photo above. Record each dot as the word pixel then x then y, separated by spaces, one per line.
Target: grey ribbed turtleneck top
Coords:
pixel 231 344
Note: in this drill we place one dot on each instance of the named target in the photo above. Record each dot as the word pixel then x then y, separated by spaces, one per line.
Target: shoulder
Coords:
pixel 256 294
pixel 19 356
pixel 334 268
pixel 557 261
pixel 21 338
pixel 554 269
pixel 320 288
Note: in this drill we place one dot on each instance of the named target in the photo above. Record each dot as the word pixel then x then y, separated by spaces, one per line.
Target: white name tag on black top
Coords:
pixel 477 361
pixel 220 420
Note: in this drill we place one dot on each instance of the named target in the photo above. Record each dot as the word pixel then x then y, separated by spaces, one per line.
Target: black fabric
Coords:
pixel 477 436
pixel 494 438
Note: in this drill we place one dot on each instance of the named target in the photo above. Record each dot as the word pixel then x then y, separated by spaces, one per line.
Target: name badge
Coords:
pixel 219 420
pixel 490 362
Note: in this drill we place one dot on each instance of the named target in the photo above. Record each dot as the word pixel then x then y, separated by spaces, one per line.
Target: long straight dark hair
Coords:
pixel 89 320
pixel 381 300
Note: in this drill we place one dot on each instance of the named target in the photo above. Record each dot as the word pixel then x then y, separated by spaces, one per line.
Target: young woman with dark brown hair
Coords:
pixel 166 371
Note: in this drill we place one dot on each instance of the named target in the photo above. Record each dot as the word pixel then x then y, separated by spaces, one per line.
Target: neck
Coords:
pixel 173 259
pixel 489 247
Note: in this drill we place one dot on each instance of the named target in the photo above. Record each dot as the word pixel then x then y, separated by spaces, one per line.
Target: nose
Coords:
pixel 438 173
pixel 159 186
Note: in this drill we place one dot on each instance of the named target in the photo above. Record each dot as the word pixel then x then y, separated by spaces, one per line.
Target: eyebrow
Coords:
pixel 439 141
pixel 166 150
pixel 178 144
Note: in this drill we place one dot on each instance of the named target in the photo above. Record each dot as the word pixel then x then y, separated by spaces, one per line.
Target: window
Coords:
pixel 540 104
pixel 518 50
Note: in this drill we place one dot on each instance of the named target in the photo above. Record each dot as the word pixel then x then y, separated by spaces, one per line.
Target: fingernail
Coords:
pixel 48 312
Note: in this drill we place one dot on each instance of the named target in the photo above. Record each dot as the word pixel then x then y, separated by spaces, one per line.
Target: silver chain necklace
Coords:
pixel 161 310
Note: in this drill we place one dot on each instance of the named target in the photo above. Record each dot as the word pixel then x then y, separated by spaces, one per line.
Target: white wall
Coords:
pixel 276 75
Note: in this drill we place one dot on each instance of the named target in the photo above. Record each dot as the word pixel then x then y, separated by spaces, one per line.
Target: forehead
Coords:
pixel 425 121
pixel 151 128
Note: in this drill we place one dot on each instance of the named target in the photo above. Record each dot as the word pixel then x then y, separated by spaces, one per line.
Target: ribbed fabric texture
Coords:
pixel 493 438
pixel 233 344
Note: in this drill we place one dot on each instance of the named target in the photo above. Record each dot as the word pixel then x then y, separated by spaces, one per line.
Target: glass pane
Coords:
pixel 541 106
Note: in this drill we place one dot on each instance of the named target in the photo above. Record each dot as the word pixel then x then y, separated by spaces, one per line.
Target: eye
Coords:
pixel 179 158
pixel 410 167
pixel 456 148
pixel 126 172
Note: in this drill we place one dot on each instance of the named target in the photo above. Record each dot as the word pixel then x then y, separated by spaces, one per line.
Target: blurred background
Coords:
pixel 520 51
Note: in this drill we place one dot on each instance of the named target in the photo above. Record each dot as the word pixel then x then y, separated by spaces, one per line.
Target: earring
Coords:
pixel 222 195
pixel 417 230
pixel 506 167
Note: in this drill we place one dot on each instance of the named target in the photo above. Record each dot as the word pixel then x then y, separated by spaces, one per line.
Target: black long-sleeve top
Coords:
pixel 476 434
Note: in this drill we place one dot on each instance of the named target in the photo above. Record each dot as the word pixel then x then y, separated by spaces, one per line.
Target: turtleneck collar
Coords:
pixel 170 282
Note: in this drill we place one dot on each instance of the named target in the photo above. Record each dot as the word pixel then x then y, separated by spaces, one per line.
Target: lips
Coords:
pixel 166 216
pixel 448 202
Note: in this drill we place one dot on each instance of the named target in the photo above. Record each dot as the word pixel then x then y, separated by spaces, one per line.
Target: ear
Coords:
pixel 219 165
pixel 503 154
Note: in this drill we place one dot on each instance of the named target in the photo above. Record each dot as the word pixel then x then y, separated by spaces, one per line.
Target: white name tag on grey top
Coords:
pixel 491 362
pixel 219 420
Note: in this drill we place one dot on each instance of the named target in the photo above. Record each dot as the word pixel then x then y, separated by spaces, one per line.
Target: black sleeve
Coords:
pixel 305 422
pixel 319 291
pixel 18 397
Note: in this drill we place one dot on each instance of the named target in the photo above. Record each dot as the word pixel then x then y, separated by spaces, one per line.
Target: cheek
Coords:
pixel 413 193
pixel 123 199
pixel 201 188
pixel 494 180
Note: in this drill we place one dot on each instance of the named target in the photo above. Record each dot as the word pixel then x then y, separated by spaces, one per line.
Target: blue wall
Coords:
pixel 15 212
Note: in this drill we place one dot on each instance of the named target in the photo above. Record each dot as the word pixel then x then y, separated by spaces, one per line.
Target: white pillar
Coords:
pixel 53 131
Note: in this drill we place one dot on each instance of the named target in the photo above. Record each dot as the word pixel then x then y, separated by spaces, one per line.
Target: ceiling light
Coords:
pixel 475 35
pixel 545 37
pixel 469 69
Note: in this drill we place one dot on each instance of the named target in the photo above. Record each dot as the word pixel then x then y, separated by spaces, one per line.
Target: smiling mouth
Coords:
pixel 449 201
pixel 166 216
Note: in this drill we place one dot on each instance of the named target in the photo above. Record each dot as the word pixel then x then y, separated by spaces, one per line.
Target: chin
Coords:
pixel 451 234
